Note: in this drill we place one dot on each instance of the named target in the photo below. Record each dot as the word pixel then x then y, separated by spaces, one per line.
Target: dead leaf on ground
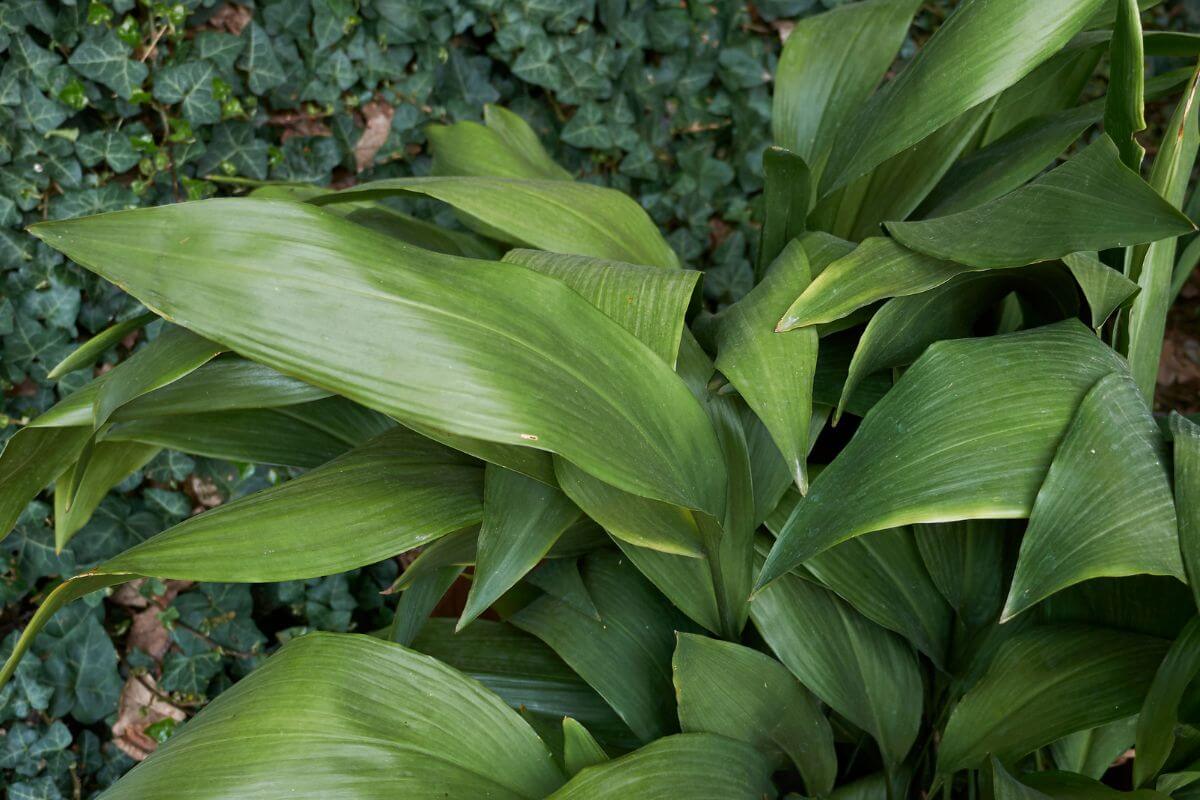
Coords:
pixel 139 708
pixel 203 491
pixel 147 632
pixel 297 123
pixel 231 17
pixel 378 118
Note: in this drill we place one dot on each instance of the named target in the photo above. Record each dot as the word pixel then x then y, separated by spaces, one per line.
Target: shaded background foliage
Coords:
pixel 106 105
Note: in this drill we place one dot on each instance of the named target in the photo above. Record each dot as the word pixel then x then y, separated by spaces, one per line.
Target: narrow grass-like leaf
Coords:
pixel 740 693
pixel 982 49
pixel 627 656
pixel 1124 111
pixel 86 354
pixel 1160 713
pixel 698 766
pixel 1044 684
pixel 774 371
pixel 1092 202
pixel 830 65
pixel 867 674
pixel 480 349
pixel 968 432
pixel 545 214
pixel 1153 267
pixel 522 519
pixel 1105 508
pixel 427 731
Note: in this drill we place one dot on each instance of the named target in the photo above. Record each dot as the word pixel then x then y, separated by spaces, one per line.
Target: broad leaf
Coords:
pixel 505 333
pixel 1106 289
pixel 90 351
pixel 787 194
pixel 1044 684
pixel 698 766
pixel 966 561
pixel 867 674
pixel 830 65
pixel 773 371
pixel 407 723
pixel 1187 496
pixel 740 693
pixel 31 459
pixel 1105 508
pixel 626 656
pixel 109 464
pixel 505 148
pixel 1092 202
pixel 1124 111
pixel 580 749
pixel 522 519
pixel 982 49
pixel 546 214
pixel 1160 713
pixel 968 432
pixel 1094 751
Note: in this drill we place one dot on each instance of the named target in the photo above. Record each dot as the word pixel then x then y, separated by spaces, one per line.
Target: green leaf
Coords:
pixel 982 49
pixel 560 578
pixel 627 656
pixel 506 148
pixel 877 269
pixel 885 580
pixel 1124 110
pixel 1160 712
pixel 545 214
pixel 1094 751
pixel 968 432
pixel 686 581
pixel 1106 289
pixel 90 351
pixel 408 723
pixel 525 674
pixel 580 749
pixel 648 302
pixel 517 329
pixel 1006 787
pixel 1045 683
pixel 1092 202
pixel 830 65
pixel 1186 449
pixel 172 355
pixel 259 61
pixel 965 561
pixel 773 371
pixel 1105 506
pixel 106 59
pixel 737 692
pixel 901 330
pixel 1069 786
pixel 865 673
pixel 787 194
pixel 418 601
pixel 392 494
pixel 191 85
pixel 31 459
pixel 522 519
pixel 1153 267
pixel 696 765
pixel 109 464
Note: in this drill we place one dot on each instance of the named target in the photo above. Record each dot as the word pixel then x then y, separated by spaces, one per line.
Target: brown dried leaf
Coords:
pixel 378 118
pixel 231 17
pixel 297 123
pixel 140 707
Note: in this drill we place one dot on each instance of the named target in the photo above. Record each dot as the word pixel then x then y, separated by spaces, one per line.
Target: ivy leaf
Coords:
pixel 108 146
pixel 223 49
pixel 189 84
pixel 106 59
pixel 190 674
pixel 83 668
pixel 40 112
pixel 588 128
pixel 262 67
pixel 234 143
pixel 538 64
